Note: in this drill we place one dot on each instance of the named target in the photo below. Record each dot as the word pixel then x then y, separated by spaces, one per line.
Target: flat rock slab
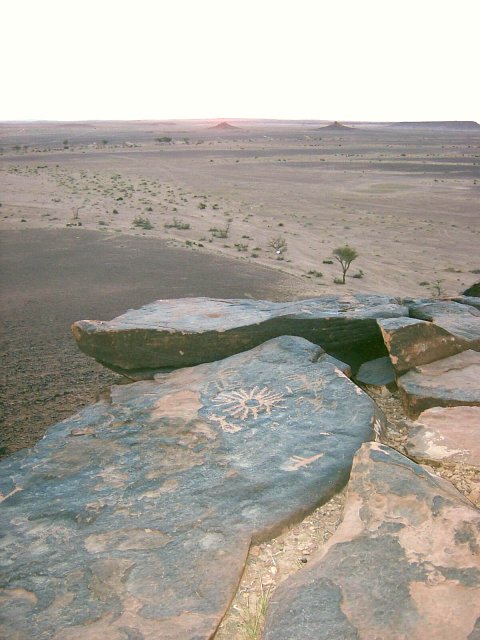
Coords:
pixel 404 563
pixel 446 434
pixel 446 383
pixel 133 519
pixel 411 342
pixel 190 331
pixel 378 372
pixel 461 320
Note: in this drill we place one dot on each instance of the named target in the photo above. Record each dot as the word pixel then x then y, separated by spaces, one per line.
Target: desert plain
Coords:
pixel 99 217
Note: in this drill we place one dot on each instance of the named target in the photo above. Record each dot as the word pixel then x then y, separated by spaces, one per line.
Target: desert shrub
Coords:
pixel 241 247
pixel 359 274
pixel 177 224
pixel 220 232
pixel 339 281
pixel 163 139
pixel 317 274
pixel 278 244
pixel 142 222
pixel 202 205
pixel 437 289
pixel 327 261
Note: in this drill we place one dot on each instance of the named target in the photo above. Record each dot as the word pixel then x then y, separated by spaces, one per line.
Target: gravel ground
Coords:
pixel 50 278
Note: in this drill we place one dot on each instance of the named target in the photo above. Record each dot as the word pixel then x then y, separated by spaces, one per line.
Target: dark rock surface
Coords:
pixel 185 332
pixel 411 342
pixel 378 372
pixel 445 383
pixel 133 518
pixel 461 320
pixel 404 563
pixel 446 434
pixel 474 290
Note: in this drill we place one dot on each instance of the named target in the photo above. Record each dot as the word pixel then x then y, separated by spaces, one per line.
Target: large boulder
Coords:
pixel 411 342
pixel 446 434
pixel 404 563
pixel 189 331
pixel 461 320
pixel 445 383
pixel 133 519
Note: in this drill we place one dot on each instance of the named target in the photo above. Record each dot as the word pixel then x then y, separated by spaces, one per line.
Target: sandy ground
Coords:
pixel 408 201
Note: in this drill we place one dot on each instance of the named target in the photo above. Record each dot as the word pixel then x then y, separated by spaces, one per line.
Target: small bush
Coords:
pixel 278 244
pixel 359 274
pixel 327 261
pixel 317 274
pixel 142 222
pixel 177 224
pixel 202 205
pixel 220 233
pixel 338 281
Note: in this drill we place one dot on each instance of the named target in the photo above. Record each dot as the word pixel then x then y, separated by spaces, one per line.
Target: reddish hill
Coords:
pixel 224 126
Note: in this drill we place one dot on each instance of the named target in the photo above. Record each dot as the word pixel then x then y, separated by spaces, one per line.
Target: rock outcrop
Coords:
pixel 404 563
pixel 186 332
pixel 133 518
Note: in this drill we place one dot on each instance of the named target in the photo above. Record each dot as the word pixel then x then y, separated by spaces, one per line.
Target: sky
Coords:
pixel 373 60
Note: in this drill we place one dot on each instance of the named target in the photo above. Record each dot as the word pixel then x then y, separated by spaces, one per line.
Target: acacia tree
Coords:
pixel 345 256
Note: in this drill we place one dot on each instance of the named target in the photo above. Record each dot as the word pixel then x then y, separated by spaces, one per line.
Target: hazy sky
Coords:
pixel 156 59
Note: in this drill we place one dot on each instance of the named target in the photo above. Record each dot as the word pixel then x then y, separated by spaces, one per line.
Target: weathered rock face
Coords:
pixel 404 563
pixel 461 320
pixel 189 331
pixel 450 434
pixel 411 342
pixel 133 518
pixel 446 383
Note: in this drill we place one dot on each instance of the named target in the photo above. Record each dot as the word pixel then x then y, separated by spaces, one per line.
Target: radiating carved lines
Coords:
pixel 243 403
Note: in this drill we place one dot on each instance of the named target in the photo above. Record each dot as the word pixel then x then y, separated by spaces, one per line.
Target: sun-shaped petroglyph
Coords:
pixel 248 403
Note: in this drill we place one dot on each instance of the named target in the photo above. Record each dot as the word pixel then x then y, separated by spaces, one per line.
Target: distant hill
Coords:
pixel 224 126
pixel 336 126
pixel 458 125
